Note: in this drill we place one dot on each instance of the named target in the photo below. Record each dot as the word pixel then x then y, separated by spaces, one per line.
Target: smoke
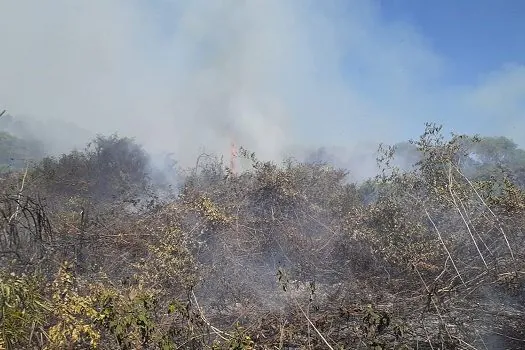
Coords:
pixel 181 76
pixel 189 76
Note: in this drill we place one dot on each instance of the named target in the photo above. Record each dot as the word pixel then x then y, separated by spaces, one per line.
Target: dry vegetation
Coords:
pixel 287 256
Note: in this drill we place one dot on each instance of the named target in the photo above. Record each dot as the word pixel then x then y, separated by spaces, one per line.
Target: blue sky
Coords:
pixel 191 75
pixel 475 36
pixel 471 47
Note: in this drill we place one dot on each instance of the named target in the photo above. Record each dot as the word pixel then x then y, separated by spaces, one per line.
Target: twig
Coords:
pixel 17 210
pixel 482 341
pixel 281 333
pixel 444 245
pixel 15 214
pixel 491 212
pixel 191 339
pixel 472 228
pixel 313 326
pixel 433 302
pixel 444 269
pixel 464 342
pixel 215 330
pixel 463 217
pixel 427 335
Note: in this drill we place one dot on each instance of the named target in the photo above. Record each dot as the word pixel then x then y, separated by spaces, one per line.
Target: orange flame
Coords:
pixel 233 159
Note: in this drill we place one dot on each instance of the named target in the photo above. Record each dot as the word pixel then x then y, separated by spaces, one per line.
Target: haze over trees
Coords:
pixel 99 251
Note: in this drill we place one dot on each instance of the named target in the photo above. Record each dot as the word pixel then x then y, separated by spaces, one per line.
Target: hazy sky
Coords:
pixel 182 75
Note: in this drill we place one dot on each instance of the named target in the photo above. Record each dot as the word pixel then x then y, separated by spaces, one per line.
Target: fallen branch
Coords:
pixel 215 330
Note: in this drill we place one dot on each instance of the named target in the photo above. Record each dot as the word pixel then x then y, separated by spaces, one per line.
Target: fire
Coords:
pixel 233 158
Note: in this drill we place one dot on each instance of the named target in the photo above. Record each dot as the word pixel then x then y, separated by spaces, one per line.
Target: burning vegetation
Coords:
pixel 96 254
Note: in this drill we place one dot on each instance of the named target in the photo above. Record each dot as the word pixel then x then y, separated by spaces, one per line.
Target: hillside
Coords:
pixel 16 152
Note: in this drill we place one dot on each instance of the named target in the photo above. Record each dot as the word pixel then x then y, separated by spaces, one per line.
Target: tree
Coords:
pixel 108 168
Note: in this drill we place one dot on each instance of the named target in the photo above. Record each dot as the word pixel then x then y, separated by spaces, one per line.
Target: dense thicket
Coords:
pixel 427 255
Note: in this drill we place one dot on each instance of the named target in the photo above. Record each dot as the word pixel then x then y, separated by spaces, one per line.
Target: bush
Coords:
pixel 282 255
